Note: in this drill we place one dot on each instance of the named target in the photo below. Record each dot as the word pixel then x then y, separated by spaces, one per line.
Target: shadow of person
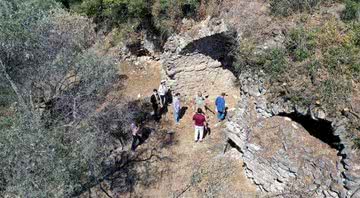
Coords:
pixel 182 112
pixel 207 130
pixel 163 110
pixel 226 112
pixel 145 133
pixel 169 97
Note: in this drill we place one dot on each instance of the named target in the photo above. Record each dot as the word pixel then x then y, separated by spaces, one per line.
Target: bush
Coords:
pixel 288 7
pixel 301 44
pixel 335 93
pixel 275 62
pixel 272 61
pixel 352 10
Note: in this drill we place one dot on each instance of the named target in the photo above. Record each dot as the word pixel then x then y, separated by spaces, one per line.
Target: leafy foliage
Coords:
pixel 52 144
pixel 301 44
pixel 272 61
pixel 275 61
pixel 352 10
pixel 131 17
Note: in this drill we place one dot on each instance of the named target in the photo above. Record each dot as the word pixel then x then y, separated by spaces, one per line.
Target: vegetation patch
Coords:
pixel 352 10
pixel 288 7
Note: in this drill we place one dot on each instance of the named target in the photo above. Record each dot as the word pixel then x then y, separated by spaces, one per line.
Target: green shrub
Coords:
pixel 313 68
pixel 352 10
pixel 288 7
pixel 335 92
pixel 300 43
pixel 355 28
pixel 275 61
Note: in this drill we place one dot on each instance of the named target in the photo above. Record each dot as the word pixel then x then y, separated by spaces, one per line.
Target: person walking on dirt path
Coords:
pixel 135 129
pixel 155 102
pixel 220 106
pixel 199 102
pixel 200 122
pixel 162 93
pixel 177 107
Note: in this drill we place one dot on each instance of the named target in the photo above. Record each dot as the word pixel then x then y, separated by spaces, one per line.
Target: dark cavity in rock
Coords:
pixel 320 129
pixel 220 47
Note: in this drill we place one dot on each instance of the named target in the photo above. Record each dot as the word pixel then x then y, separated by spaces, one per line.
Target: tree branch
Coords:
pixel 14 87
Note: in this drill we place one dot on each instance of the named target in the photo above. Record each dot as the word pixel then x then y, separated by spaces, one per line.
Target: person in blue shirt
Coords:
pixel 220 107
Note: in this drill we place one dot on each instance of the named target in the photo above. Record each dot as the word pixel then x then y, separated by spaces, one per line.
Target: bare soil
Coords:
pixel 172 164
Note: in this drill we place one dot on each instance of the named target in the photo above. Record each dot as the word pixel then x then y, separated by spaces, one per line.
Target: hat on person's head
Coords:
pixel 163 81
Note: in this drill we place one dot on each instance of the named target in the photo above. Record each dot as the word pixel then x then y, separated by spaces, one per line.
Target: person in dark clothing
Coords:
pixel 135 130
pixel 155 101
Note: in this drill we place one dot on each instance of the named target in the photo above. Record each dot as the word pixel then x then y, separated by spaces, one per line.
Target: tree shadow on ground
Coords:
pixel 140 171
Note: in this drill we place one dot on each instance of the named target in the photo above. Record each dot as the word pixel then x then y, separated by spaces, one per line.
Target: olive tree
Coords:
pixel 55 144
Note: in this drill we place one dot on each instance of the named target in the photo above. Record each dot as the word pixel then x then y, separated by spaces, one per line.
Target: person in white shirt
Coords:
pixel 162 91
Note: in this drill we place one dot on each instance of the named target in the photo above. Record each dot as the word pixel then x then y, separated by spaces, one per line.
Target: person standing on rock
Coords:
pixel 162 93
pixel 155 102
pixel 199 102
pixel 200 122
pixel 176 108
pixel 220 106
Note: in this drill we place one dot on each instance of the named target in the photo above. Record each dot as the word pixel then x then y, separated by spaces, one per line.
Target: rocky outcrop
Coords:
pixel 197 59
pixel 281 157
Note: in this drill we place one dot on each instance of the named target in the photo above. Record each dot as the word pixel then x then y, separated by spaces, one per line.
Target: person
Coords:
pixel 199 101
pixel 200 122
pixel 176 107
pixel 162 93
pixel 220 107
pixel 155 101
pixel 136 135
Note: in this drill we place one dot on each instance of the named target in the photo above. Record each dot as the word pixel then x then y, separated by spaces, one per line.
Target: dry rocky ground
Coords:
pixel 171 164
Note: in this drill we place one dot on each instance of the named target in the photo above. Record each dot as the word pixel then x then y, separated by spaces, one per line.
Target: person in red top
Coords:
pixel 199 121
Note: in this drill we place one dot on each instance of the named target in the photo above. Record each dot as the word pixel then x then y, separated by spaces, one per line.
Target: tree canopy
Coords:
pixel 53 142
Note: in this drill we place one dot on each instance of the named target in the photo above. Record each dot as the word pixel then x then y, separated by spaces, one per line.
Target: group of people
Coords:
pixel 202 109
pixel 160 99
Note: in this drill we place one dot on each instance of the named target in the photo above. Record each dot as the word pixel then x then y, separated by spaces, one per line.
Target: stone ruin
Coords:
pixel 281 157
pixel 199 60
pixel 285 158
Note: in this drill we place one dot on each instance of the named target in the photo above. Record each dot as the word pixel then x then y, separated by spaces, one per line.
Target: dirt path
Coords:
pixel 181 168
